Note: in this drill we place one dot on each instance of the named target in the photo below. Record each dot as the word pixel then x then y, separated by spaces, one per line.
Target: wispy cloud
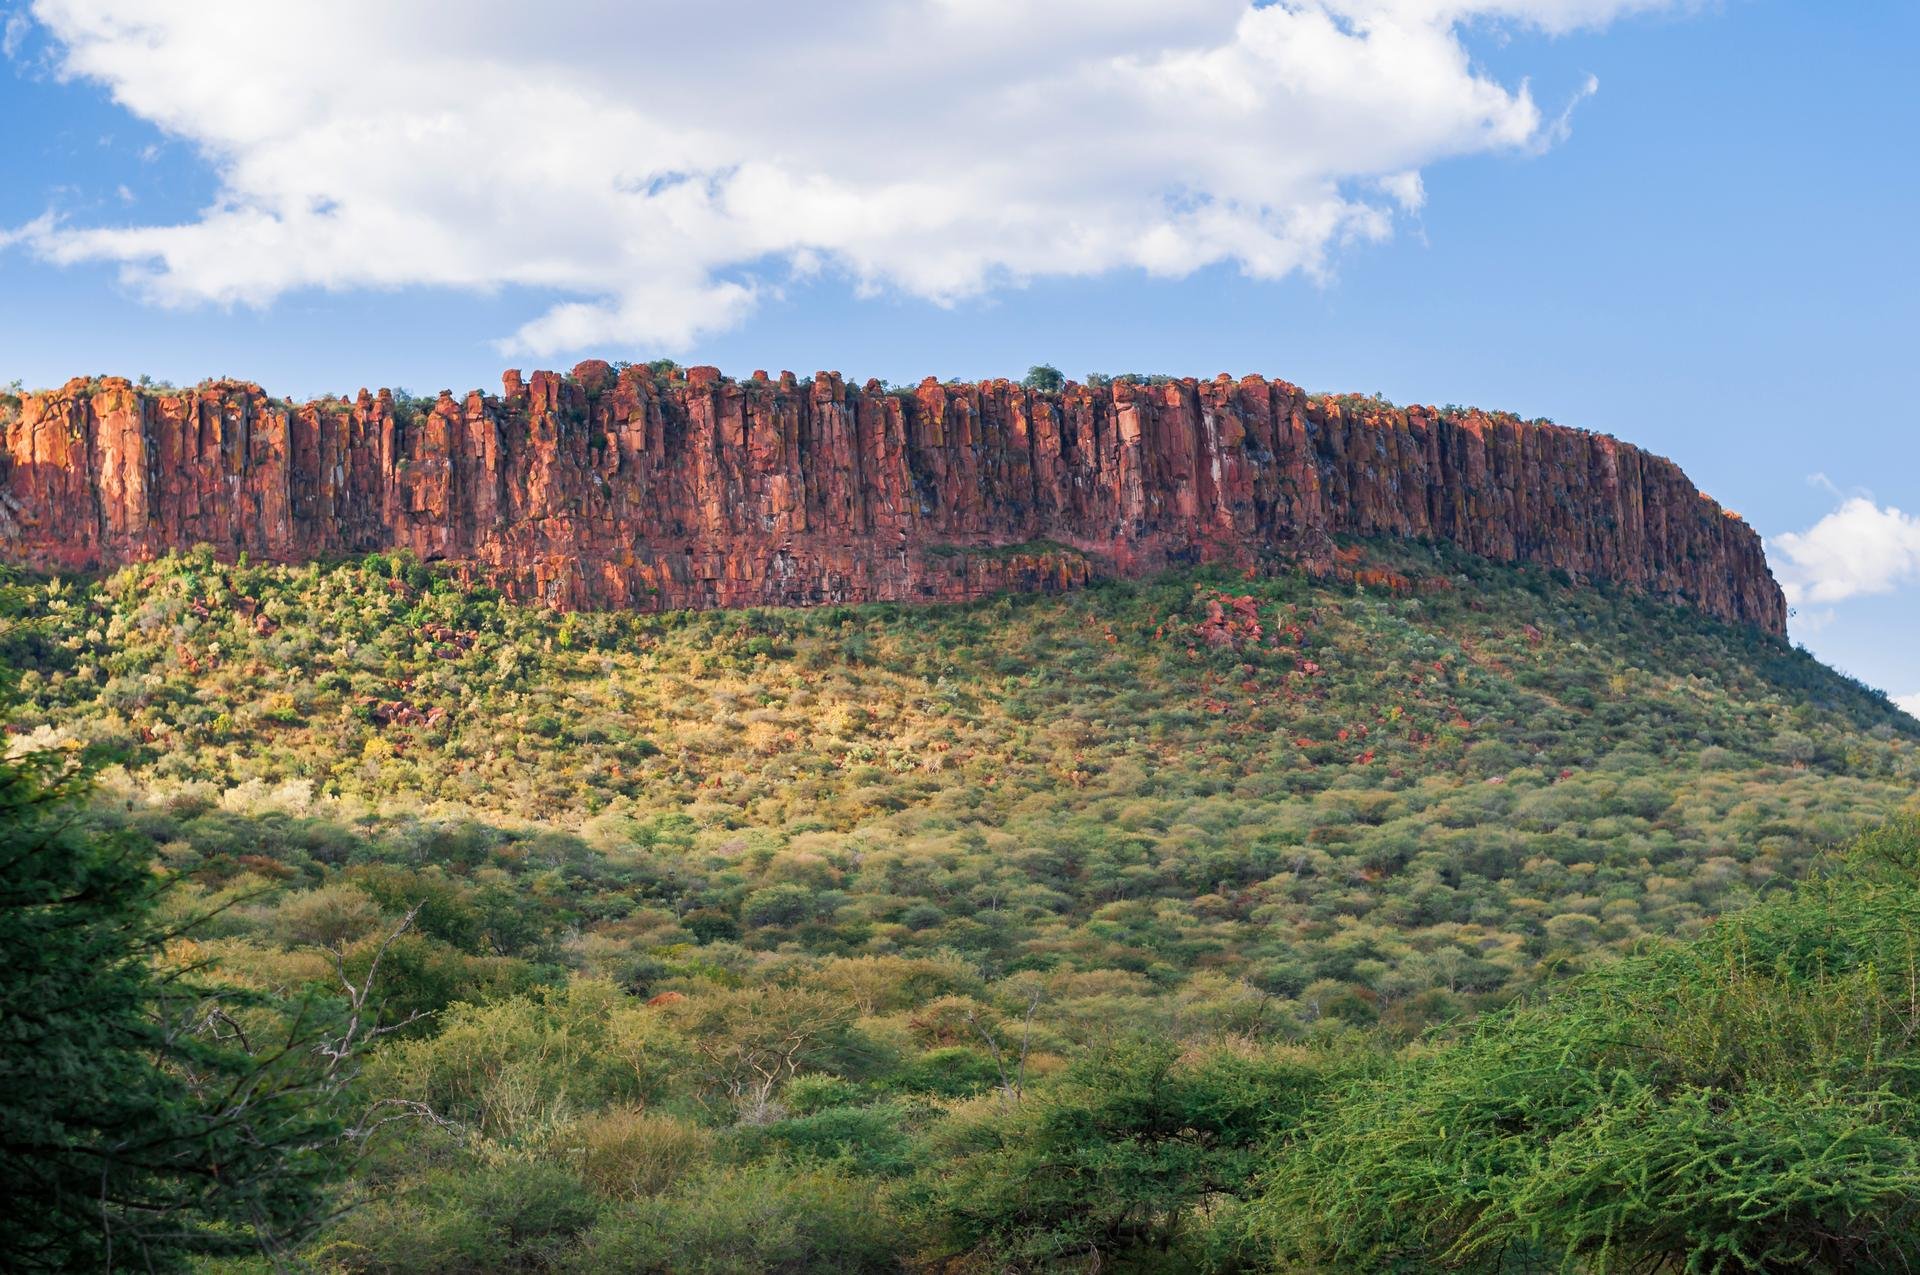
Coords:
pixel 1561 128
pixel 13 34
pixel 647 162
pixel 33 232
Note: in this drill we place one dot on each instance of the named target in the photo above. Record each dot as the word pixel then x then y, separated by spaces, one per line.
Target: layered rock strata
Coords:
pixel 605 488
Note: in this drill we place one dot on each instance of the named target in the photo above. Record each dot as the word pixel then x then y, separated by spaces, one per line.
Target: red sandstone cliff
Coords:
pixel 605 489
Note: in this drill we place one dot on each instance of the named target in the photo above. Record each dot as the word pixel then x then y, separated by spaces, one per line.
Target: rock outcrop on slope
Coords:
pixel 605 488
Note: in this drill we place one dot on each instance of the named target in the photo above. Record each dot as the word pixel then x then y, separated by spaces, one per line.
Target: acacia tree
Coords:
pixel 752 1041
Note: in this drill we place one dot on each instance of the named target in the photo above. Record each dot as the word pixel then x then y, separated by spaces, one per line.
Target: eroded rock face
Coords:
pixel 605 489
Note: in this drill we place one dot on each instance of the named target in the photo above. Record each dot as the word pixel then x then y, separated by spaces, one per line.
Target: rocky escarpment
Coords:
pixel 631 489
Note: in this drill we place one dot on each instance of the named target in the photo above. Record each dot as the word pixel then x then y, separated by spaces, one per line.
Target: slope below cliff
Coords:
pixel 605 488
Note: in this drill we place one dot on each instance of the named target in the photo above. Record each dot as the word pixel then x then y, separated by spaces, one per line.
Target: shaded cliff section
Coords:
pixel 605 488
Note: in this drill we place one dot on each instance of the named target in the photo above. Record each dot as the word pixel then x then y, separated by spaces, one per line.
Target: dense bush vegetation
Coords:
pixel 1748 1101
pixel 1041 933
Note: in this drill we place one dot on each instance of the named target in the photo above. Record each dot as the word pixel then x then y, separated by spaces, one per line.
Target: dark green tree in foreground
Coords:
pixel 144 1119
pixel 1745 1102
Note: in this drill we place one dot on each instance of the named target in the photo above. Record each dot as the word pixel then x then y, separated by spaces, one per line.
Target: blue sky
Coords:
pixel 1687 225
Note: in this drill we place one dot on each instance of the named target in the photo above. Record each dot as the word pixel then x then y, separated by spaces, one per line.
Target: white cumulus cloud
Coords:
pixel 660 164
pixel 1910 704
pixel 1860 548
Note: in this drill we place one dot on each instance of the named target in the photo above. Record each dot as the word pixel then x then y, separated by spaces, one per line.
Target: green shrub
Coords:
pixel 1114 1159
pixel 627 1153
pixel 520 1069
pixel 763 1219
pixel 1747 1101
pixel 865 1140
pixel 465 1221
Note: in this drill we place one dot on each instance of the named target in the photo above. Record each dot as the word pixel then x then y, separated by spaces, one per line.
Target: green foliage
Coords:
pixel 22 637
pixel 1022 549
pixel 140 1124
pixel 476 1218
pixel 1748 1101
pixel 1025 934
pixel 750 1042
pixel 1360 404
pixel 760 1218
pixel 628 1153
pixel 1045 378
pixel 515 1070
pixel 1117 1156
pixel 871 1141
pixel 410 406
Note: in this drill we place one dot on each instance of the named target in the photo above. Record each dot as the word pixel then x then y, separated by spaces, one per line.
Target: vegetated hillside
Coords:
pixel 1011 933
pixel 1335 794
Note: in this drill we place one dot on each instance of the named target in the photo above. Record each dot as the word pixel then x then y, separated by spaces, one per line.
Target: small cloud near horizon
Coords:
pixel 1858 549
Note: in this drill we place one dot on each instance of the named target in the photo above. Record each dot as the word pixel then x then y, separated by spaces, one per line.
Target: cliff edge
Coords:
pixel 605 488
